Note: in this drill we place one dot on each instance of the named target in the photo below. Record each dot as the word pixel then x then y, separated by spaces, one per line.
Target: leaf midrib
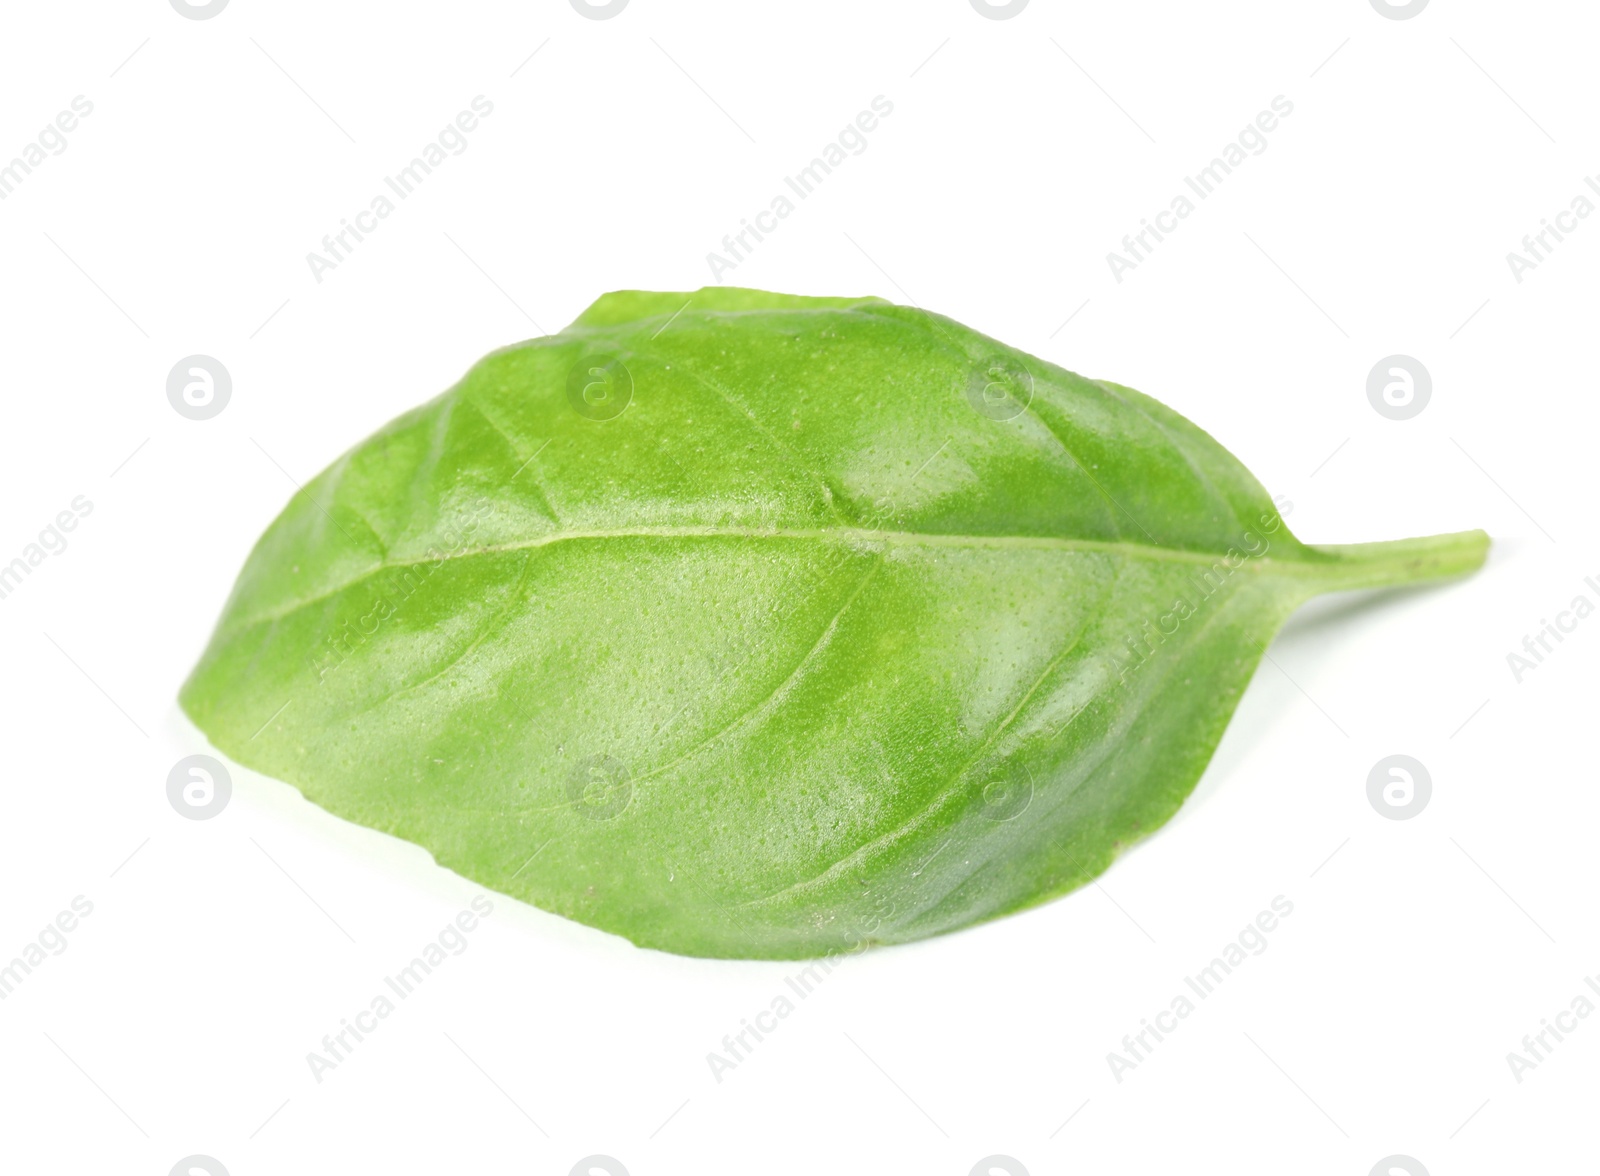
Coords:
pixel 861 536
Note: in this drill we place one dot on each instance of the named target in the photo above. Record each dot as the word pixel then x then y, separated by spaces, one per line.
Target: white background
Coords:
pixel 1019 152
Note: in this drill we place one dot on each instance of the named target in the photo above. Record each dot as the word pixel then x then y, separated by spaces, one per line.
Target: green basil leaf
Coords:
pixel 750 625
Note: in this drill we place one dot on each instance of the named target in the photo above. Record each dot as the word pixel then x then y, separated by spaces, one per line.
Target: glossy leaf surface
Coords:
pixel 742 624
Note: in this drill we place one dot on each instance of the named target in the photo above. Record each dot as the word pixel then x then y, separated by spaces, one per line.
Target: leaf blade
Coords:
pixel 808 646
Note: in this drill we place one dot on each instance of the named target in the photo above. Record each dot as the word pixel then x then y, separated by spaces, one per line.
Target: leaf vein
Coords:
pixel 823 638
pixel 855 536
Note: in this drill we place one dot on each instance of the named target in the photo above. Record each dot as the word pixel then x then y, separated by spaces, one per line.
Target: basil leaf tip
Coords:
pixel 750 625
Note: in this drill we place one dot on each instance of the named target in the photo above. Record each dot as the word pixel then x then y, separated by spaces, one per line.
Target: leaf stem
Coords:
pixel 1401 561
